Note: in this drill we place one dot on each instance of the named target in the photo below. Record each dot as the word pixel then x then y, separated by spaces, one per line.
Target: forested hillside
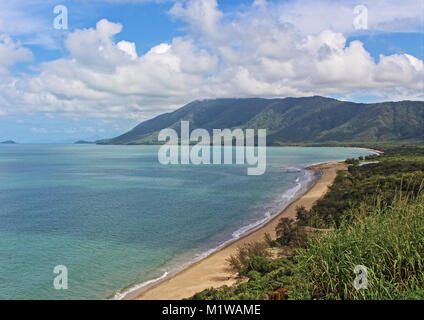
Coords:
pixel 293 120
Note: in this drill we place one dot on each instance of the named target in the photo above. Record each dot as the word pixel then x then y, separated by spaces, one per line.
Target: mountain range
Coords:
pixel 292 120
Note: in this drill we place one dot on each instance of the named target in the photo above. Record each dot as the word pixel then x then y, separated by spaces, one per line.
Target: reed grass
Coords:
pixel 387 239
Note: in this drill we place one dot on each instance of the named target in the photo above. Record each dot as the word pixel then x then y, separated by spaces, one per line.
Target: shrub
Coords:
pixel 303 216
pixel 285 231
pixel 240 261
pixel 388 240
pixel 352 161
pixel 289 233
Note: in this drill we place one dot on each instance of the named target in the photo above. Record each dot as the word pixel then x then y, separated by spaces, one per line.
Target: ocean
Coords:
pixel 119 220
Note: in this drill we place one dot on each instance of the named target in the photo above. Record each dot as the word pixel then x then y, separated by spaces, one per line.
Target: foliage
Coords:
pixel 352 161
pixel 302 216
pixel 309 120
pixel 377 211
pixel 363 185
pixel 388 240
pixel 270 276
pixel 241 262
pixel 290 233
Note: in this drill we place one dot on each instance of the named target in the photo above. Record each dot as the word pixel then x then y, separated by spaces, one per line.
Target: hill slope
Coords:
pixel 292 120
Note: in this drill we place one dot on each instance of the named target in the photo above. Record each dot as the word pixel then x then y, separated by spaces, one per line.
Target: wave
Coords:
pixel 122 295
pixel 272 210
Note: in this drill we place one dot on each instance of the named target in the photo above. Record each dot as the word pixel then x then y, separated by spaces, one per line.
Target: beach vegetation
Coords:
pixel 241 262
pixel 373 215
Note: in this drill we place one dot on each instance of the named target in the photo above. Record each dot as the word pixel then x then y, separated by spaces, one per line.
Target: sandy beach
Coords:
pixel 369 149
pixel 213 271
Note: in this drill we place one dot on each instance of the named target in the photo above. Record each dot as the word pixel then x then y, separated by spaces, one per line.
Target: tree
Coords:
pixel 302 216
pixel 285 231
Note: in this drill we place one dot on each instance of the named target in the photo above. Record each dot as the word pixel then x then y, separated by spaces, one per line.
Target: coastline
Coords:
pixel 368 149
pixel 212 271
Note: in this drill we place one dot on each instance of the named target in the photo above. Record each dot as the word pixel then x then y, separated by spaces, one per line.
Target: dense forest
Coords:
pixel 373 215
pixel 310 120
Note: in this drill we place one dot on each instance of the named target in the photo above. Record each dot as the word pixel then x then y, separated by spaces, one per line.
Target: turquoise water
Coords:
pixel 116 218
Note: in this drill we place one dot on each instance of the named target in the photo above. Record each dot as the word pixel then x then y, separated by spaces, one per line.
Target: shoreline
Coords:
pixel 367 149
pixel 212 271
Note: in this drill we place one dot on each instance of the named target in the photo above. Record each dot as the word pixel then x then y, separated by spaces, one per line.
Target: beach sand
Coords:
pixel 213 270
pixel 368 149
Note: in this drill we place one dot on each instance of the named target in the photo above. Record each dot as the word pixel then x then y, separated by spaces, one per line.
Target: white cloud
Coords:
pixel 31 22
pixel 202 15
pixel 103 79
pixel 14 19
pixel 128 48
pixel 12 52
pixel 95 49
pixel 254 53
pixel 383 15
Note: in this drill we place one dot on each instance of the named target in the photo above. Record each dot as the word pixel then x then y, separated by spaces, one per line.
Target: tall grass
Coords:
pixel 387 239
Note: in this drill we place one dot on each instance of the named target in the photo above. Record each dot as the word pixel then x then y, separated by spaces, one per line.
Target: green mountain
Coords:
pixel 293 120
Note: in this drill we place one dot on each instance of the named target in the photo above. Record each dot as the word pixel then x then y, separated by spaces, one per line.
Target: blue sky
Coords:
pixel 122 62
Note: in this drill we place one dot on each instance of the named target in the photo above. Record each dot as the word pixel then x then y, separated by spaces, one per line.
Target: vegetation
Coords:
pixel 247 256
pixel 295 121
pixel 373 215
pixel 290 233
pixel 387 239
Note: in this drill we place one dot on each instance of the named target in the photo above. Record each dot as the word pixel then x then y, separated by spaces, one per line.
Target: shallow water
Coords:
pixel 116 218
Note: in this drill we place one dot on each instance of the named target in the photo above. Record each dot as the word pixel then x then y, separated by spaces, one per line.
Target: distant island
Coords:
pixel 83 142
pixel 293 121
pixel 8 142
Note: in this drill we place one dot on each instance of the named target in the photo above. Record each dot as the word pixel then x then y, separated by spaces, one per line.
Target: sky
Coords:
pixel 94 69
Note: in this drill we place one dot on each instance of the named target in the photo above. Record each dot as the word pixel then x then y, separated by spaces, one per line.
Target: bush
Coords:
pixel 285 231
pixel 302 216
pixel 388 240
pixel 240 262
pixel 377 212
pixel 352 161
pixel 289 233
pixel 260 285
